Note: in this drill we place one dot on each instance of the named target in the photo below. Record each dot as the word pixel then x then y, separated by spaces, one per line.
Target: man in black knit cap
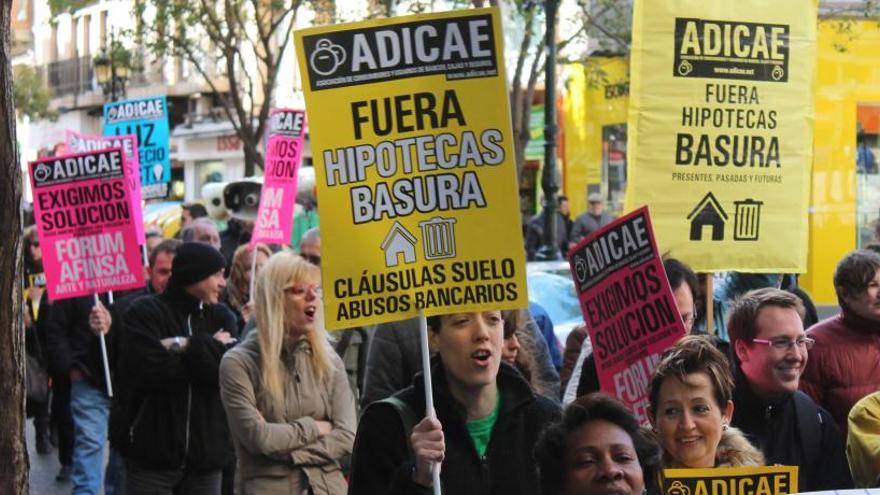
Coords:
pixel 178 440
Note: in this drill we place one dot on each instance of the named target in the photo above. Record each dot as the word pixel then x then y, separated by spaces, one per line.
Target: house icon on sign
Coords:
pixel 399 241
pixel 708 212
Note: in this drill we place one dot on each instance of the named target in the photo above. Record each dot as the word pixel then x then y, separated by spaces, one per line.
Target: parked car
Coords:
pixel 551 286
pixel 163 216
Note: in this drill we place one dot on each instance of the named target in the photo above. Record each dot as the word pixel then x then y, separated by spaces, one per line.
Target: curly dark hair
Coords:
pixel 551 447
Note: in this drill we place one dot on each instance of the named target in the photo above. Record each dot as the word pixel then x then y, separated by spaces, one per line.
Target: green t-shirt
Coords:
pixel 481 429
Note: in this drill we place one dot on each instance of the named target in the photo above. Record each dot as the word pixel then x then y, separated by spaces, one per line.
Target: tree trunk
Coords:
pixel 253 159
pixel 14 465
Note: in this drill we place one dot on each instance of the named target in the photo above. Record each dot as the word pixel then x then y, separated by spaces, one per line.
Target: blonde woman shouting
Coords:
pixel 289 406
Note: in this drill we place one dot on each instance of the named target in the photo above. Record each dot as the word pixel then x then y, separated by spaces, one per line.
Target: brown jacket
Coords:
pixel 289 456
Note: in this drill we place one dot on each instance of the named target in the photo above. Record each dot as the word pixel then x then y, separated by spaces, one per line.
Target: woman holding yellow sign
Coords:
pixel 691 409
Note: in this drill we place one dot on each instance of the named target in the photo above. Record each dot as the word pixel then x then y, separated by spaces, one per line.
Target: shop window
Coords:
pixel 614 166
pixel 178 188
pixel 867 176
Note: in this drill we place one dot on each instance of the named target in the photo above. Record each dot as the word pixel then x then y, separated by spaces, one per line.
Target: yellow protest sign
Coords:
pixel 764 480
pixel 411 139
pixel 721 129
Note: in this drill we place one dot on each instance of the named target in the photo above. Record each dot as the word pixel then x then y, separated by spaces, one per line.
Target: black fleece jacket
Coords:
pixel 772 425
pixel 173 416
pixel 70 342
pixel 381 462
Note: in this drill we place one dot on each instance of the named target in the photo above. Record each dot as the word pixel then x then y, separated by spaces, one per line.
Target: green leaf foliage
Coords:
pixel 30 95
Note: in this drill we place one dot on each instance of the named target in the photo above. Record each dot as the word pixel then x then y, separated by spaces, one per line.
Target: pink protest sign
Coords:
pixel 283 156
pixel 627 304
pixel 80 143
pixel 85 223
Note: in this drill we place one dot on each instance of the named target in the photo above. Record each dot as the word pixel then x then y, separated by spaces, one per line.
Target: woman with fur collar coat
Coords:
pixel 691 409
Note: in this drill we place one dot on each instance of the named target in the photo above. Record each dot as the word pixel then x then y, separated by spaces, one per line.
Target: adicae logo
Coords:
pixel 778 73
pixel 685 68
pixel 580 269
pixel 42 172
pixel 327 57
pixel 677 488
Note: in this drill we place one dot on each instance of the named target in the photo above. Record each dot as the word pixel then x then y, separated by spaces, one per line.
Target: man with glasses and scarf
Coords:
pixel 769 350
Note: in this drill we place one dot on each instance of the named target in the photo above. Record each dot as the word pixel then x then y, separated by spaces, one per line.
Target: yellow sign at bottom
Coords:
pixel 769 480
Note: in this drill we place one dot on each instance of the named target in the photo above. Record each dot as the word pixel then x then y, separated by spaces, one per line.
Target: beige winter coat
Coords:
pixel 287 457
pixel 734 450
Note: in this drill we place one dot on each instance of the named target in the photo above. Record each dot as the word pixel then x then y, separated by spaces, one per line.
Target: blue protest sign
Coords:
pixel 148 119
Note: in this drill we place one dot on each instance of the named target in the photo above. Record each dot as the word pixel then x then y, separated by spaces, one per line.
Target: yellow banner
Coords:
pixel 769 480
pixel 721 129
pixel 413 153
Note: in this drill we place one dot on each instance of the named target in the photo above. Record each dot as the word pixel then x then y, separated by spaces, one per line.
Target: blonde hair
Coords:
pixel 283 269
pixel 237 289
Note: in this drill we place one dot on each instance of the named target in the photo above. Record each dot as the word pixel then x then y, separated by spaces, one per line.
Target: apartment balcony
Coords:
pixel 70 77
pixel 73 84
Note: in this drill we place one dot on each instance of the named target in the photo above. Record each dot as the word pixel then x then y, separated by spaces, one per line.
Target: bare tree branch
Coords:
pixel 223 34
pixel 591 21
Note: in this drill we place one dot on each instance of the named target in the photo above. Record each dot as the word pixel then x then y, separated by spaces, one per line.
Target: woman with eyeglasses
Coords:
pixel 691 408
pixel 771 352
pixel 286 393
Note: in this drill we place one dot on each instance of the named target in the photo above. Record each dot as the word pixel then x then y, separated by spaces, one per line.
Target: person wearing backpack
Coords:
pixel 487 423
pixel 770 353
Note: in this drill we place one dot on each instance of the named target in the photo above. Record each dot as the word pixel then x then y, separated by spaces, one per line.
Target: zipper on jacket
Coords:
pixel 137 420
pixel 484 472
pixel 188 395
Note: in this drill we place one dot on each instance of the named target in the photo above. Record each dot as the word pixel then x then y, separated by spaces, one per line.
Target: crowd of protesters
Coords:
pixel 225 381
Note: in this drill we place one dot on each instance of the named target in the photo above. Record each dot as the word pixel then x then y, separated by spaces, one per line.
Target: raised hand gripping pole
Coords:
pixel 429 392
pixel 104 359
pixel 253 273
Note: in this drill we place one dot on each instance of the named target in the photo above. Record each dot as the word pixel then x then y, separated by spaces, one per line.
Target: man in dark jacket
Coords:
pixel 770 351
pixel 487 420
pixel 590 221
pixel 178 439
pixel 535 230
pixel 158 273
pixel 392 359
pixel 238 231
pixel 73 342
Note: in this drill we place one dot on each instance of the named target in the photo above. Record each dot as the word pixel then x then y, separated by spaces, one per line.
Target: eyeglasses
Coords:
pixel 301 290
pixel 783 344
